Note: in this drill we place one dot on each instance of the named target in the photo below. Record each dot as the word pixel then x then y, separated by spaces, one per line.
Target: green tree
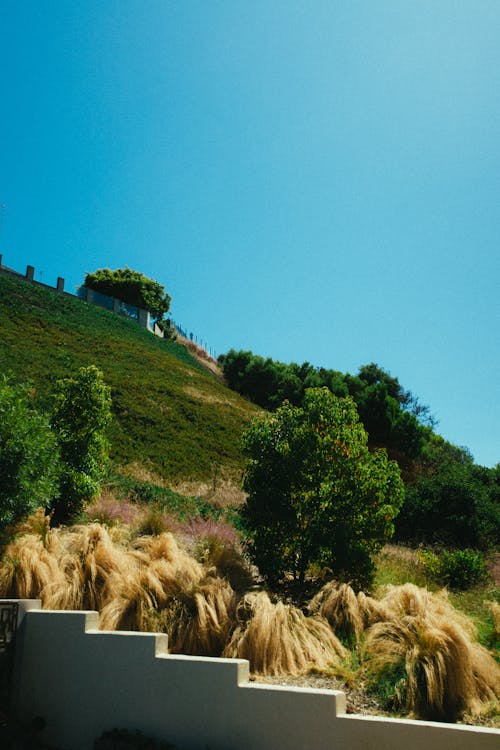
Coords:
pixel 133 288
pixel 393 417
pixel 81 414
pixel 453 502
pixel 29 457
pixel 316 494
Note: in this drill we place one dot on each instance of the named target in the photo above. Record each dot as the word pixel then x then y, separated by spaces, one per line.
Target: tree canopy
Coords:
pixel 453 501
pixel 449 499
pixel 392 416
pixel 131 287
pixel 317 497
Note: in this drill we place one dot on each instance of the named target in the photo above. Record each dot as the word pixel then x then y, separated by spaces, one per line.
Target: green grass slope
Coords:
pixel 168 411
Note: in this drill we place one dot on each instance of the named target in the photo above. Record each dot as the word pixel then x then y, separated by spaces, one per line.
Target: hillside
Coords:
pixel 169 413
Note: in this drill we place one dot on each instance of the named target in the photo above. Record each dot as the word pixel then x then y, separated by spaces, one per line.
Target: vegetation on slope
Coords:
pixel 168 412
pixel 148 558
pixel 449 500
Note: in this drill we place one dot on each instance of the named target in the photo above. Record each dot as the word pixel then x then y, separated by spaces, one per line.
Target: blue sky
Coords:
pixel 312 181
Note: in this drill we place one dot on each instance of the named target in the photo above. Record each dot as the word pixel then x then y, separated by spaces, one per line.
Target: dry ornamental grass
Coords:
pixel 446 671
pixel 278 639
pixel 408 635
pixel 339 605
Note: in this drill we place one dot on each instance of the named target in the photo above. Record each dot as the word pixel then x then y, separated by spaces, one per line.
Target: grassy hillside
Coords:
pixel 403 649
pixel 169 413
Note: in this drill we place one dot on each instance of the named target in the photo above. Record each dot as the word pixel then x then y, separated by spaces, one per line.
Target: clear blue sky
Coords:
pixel 312 181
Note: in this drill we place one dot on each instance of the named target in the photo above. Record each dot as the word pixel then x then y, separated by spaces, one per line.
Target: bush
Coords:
pixel 458 569
pixel 29 458
pixel 454 503
pixel 316 495
pixel 81 414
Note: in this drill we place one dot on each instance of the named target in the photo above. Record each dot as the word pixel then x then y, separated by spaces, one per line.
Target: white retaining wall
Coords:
pixel 82 681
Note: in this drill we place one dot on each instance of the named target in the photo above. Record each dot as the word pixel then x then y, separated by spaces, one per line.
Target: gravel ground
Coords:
pixel 357 700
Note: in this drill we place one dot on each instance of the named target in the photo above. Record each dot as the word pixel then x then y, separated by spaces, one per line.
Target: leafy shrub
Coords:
pixel 29 457
pixel 81 414
pixel 454 503
pixel 458 569
pixel 393 417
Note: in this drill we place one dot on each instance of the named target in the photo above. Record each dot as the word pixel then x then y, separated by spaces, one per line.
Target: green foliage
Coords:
pixel 392 416
pixel 169 413
pixel 317 496
pixel 455 503
pixel 389 685
pixel 475 602
pixel 396 565
pixel 131 287
pixel 386 422
pixel 80 417
pixel 28 455
pixel 372 374
pixel 458 569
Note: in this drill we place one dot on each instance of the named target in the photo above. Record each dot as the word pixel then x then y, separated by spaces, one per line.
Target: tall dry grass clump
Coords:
pixel 348 613
pixel 171 592
pixel 199 620
pixel 168 563
pixel 413 600
pixel 371 610
pixel 90 560
pixel 133 604
pixel 158 570
pixel 91 567
pixel 30 571
pixel 423 640
pixel 278 639
pixel 339 605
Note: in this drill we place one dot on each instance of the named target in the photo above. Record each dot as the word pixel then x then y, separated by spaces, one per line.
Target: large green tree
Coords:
pixel 317 497
pixel 133 288
pixel 29 456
